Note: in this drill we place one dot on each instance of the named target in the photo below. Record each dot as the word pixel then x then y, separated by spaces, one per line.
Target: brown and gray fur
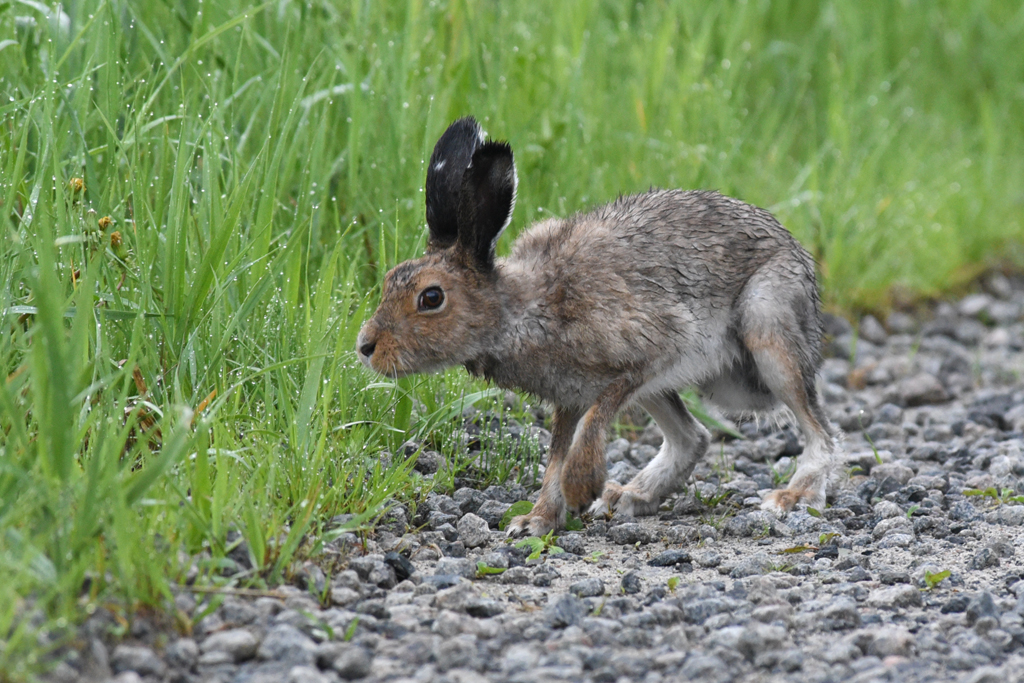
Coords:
pixel 628 303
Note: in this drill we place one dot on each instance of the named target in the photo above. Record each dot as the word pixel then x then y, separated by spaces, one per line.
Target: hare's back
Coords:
pixel 689 244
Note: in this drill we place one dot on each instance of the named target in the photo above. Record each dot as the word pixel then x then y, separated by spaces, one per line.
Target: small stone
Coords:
pixel 572 543
pixel 285 643
pixel 893 576
pixel 903 595
pixel 587 588
pixel 841 615
pixel 984 559
pixel 342 596
pixel 629 533
pixel 707 559
pixel 986 674
pixel 921 389
pixel 239 644
pixel 352 663
pixel 127 677
pixel 973 305
pixel 872 330
pixel 758 563
pixel 306 674
pixel 142 660
pixel 469 499
pixel 566 610
pixel 956 604
pixel 896 540
pixel 516 575
pixel 520 657
pixel 889 413
pixel 183 653
pixel 891 641
pixel 900 473
pixel 670 558
pixel 631 584
pixel 492 511
pixel 893 525
pixel 428 462
pixel 474 531
pixel 981 605
pixel 459 566
pixel 464 597
pixel 401 564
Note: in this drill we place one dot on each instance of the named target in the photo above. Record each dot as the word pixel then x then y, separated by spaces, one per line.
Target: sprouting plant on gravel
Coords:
pixel 594 557
pixel 721 466
pixel 911 510
pixel 933 579
pixel 350 630
pixel 673 583
pixel 764 532
pixel 826 537
pixel 573 523
pixel 540 545
pixel 483 569
pixel 780 479
pixel 802 548
pixel 784 567
pixel 996 496
pixel 712 501
pixel 813 512
pixel 874 449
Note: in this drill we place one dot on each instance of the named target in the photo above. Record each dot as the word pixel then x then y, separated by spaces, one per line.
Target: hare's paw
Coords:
pixel 780 501
pixel 627 500
pixel 531 524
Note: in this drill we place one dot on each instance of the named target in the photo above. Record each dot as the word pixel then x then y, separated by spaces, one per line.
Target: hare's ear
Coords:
pixel 448 163
pixel 486 202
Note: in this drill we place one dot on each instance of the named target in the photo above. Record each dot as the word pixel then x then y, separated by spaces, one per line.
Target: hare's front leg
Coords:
pixel 685 442
pixel 585 469
pixel 549 512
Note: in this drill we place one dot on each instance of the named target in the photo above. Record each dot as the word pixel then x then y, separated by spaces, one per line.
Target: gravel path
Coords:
pixel 725 593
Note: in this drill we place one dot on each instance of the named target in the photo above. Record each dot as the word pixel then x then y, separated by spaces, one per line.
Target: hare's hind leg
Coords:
pixel 780 330
pixel 685 442
pixel 549 512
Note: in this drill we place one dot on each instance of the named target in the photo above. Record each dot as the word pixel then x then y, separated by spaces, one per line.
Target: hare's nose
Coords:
pixel 368 348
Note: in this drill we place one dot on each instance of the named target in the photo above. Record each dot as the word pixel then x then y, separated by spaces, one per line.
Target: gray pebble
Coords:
pixel 285 643
pixel 457 566
pixel 630 533
pixel 565 610
pixel 587 588
pixel 492 511
pixel 631 583
pixel 572 543
pixel 142 660
pixel 239 644
pixel 474 531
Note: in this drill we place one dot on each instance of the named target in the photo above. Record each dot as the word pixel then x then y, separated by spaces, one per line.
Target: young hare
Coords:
pixel 630 302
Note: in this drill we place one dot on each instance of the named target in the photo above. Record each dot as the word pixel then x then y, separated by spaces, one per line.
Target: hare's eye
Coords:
pixel 431 299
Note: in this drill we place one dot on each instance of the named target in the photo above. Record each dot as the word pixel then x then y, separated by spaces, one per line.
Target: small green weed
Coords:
pixel 933 579
pixel 483 569
pixel 995 496
pixel 541 545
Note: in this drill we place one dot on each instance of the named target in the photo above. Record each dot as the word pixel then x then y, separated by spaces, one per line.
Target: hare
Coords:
pixel 631 302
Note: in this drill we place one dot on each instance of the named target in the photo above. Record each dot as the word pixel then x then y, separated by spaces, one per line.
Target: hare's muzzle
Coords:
pixel 366 344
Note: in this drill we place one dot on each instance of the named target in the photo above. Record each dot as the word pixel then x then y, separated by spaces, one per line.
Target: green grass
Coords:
pixel 263 166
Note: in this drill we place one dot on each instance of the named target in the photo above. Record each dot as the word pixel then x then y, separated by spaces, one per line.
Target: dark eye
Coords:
pixel 431 299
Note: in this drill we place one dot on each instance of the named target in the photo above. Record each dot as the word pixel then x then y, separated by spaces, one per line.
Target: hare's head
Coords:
pixel 442 309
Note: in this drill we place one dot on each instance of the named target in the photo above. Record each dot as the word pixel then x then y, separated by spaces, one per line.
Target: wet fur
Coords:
pixel 631 302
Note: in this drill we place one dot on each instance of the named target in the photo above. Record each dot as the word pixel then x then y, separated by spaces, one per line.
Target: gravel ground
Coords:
pixel 931 410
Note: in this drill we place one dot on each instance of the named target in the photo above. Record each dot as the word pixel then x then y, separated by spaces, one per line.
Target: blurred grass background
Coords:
pixel 262 167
